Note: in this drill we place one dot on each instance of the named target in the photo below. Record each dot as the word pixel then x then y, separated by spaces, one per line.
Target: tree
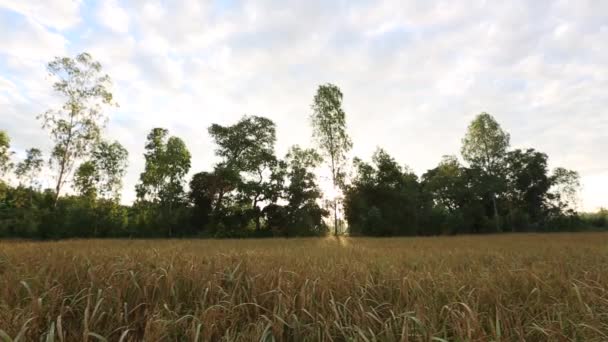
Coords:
pixel 303 215
pixel 329 131
pixel 455 198
pixel 247 148
pixel 76 126
pixel 29 169
pixel 528 184
pixel 102 174
pixel 86 179
pixel 247 144
pixel 383 199
pixel 565 187
pixel 167 163
pixel 110 160
pixel 446 183
pixel 5 153
pixel 484 146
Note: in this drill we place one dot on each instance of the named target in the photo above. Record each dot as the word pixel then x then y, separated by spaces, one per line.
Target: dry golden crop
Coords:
pixel 473 288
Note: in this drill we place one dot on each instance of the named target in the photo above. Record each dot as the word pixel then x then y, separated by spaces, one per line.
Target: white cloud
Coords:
pixel 113 16
pixel 413 72
pixel 59 14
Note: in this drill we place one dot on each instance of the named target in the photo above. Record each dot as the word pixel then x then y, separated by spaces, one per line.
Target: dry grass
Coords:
pixel 473 288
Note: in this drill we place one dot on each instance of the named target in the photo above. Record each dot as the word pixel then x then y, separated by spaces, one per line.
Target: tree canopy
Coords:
pixel 251 191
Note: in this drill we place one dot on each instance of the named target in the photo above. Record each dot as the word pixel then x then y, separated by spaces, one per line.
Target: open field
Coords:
pixel 550 287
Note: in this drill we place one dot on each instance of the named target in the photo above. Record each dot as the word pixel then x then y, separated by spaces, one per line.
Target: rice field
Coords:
pixel 530 287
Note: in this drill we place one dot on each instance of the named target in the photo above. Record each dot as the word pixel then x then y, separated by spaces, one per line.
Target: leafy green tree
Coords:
pixel 485 146
pixel 446 183
pixel 528 185
pixel 302 214
pixel 5 153
pixel 75 127
pixel 247 148
pixel 102 174
pixel 86 179
pixel 204 189
pixel 162 182
pixel 565 186
pixel 28 169
pixel 329 131
pixel 167 162
pixel 111 161
pixel 245 145
pixel 384 198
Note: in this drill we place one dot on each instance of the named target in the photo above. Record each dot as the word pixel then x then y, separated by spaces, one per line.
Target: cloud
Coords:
pixel 58 14
pixel 113 16
pixel 413 73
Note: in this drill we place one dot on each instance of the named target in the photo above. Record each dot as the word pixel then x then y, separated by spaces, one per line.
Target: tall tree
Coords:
pixel 167 163
pixel 76 126
pixel 247 148
pixel 5 153
pixel 329 131
pixel 28 169
pixel 485 146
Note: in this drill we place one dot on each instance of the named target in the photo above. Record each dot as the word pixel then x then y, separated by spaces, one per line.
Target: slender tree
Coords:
pixel 485 146
pixel 329 131
pixel 167 163
pixel 76 126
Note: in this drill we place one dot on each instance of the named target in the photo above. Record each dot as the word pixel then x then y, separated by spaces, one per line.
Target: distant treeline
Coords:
pixel 252 192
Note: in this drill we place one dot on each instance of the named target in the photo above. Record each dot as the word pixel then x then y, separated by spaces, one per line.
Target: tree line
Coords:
pixel 252 192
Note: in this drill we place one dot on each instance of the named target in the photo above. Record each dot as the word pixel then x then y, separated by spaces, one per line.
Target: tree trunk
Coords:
pixel 258 224
pixel 495 212
pixel 336 217
pixel 58 188
pixel 170 219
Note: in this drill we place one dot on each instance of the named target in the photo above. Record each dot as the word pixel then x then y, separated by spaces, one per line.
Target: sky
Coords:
pixel 414 73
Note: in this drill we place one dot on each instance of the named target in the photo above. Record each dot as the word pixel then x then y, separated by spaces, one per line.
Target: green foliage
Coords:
pixel 86 178
pixel 28 170
pixel 161 185
pixel 76 127
pixel 247 149
pixel 110 161
pixel 598 220
pixel 252 193
pixel 247 145
pixel 383 199
pixel 484 147
pixel 167 162
pixel 301 215
pixel 565 188
pixel 329 132
pixel 5 154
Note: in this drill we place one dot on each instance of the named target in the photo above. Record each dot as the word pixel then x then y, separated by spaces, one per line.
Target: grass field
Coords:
pixel 550 287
